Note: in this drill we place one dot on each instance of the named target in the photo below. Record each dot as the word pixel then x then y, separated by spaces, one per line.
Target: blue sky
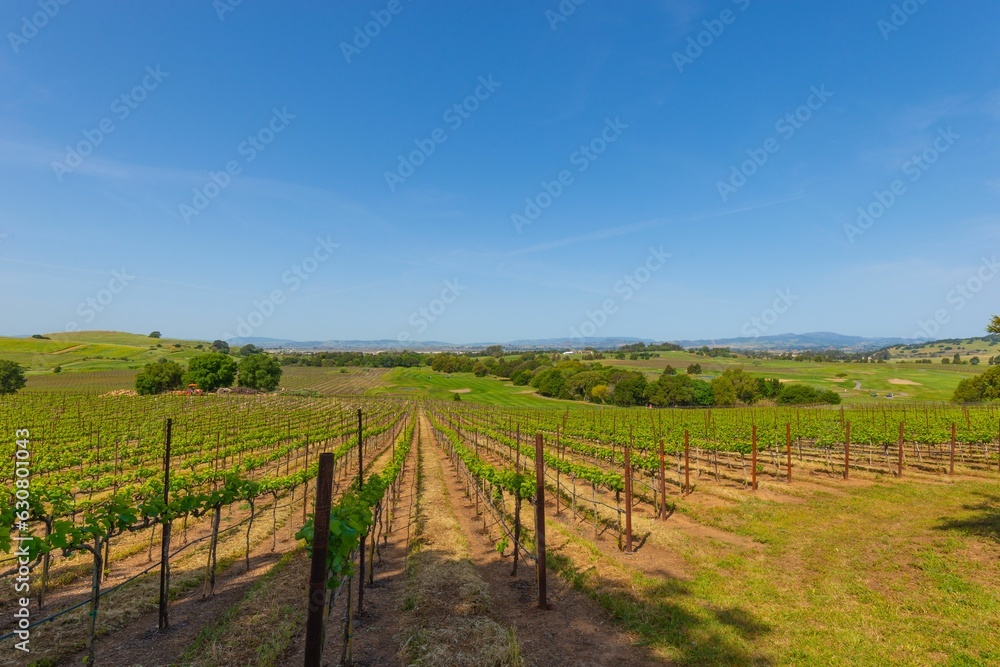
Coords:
pixel 617 121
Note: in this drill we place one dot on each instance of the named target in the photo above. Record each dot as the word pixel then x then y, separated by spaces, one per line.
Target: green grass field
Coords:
pixel 882 573
pixel 425 383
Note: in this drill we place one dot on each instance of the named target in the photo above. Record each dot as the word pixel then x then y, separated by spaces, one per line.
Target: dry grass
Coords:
pixel 451 602
pixel 259 629
pixel 468 641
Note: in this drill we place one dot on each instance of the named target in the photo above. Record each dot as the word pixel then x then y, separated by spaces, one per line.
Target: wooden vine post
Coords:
pixel 543 601
pixel 164 622
pixel 628 499
pixel 899 468
pixel 687 463
pixel 317 575
pixel 305 491
pixel 663 483
pixel 753 459
pixel 951 459
pixel 361 550
pixel 788 450
pixel 847 452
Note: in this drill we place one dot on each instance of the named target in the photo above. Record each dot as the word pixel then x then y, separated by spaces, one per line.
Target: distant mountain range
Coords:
pixel 789 342
pixel 822 340
pixel 433 345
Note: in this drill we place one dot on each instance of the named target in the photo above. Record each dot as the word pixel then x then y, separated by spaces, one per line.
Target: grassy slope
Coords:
pixel 93 351
pixel 984 348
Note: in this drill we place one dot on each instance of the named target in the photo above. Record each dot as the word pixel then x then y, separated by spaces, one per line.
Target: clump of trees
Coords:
pixel 211 371
pixel 12 377
pixel 158 377
pixel 984 387
pixel 260 371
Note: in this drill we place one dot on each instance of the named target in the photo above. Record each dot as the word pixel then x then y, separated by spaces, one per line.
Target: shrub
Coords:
pixel 801 394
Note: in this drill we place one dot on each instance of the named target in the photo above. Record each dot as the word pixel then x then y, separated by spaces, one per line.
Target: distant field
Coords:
pixel 98 382
pixel 332 381
pixel 425 383
pixel 930 382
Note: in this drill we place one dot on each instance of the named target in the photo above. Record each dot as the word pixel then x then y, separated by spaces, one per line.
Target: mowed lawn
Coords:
pixel 914 382
pixel 885 573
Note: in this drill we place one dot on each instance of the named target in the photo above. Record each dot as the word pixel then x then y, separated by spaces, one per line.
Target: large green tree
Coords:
pixel 984 387
pixel 260 371
pixel 11 377
pixel 735 384
pixel 671 390
pixel 159 377
pixel 550 383
pixel 211 371
pixel 629 389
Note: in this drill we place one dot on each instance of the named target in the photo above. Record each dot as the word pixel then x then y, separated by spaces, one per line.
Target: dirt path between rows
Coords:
pixel 575 632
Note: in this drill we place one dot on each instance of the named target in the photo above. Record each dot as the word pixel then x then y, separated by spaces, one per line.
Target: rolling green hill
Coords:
pixel 94 351
pixel 983 347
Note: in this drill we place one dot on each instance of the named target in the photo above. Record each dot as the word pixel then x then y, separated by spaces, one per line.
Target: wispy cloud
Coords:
pixel 625 230
pixel 162 281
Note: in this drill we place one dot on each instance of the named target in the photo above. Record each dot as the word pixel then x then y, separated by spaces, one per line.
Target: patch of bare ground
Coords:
pixel 575 631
